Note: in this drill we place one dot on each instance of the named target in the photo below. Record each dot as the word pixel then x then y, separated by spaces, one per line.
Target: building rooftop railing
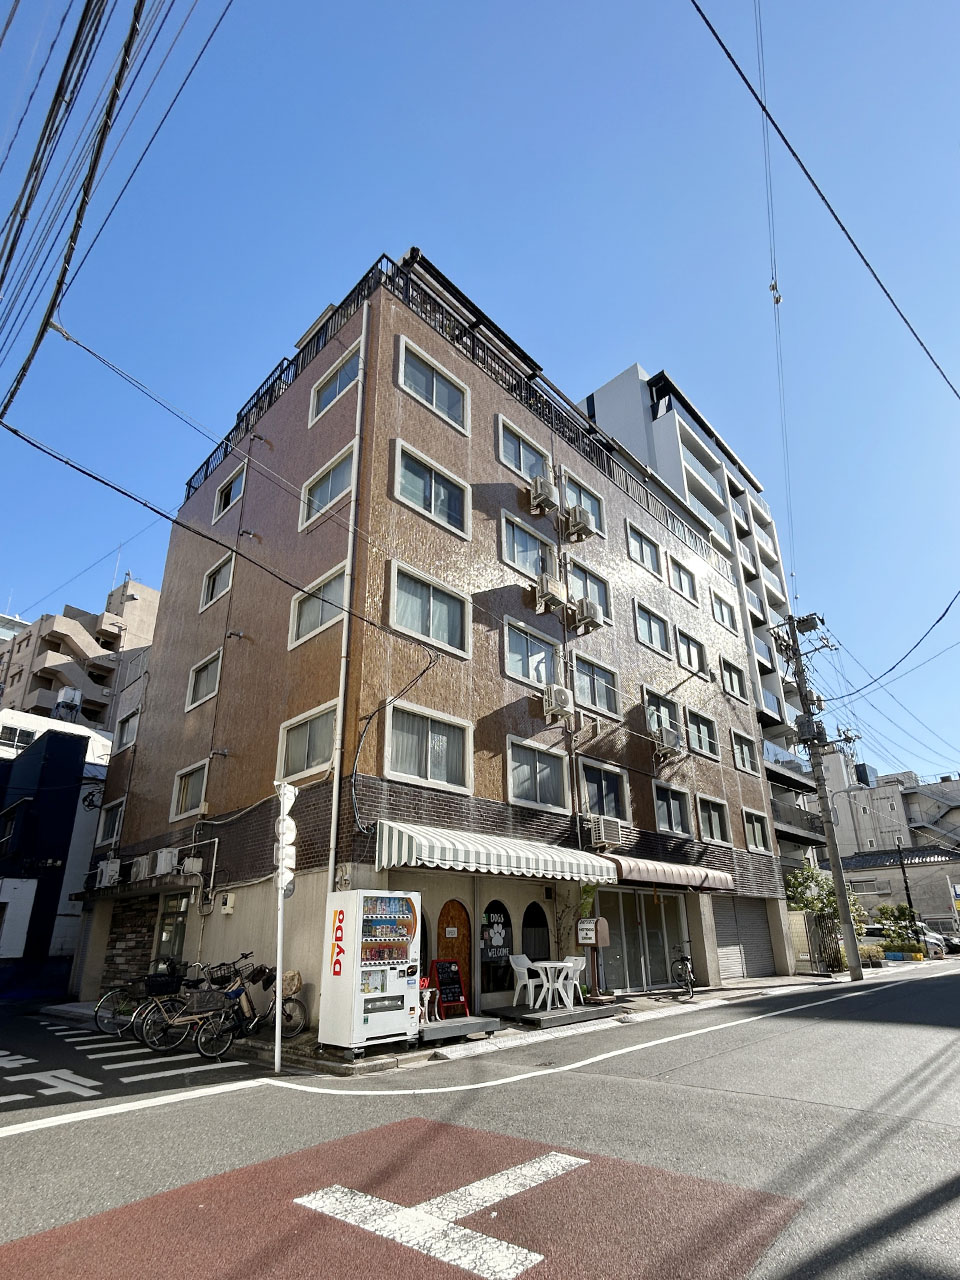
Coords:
pixel 404 284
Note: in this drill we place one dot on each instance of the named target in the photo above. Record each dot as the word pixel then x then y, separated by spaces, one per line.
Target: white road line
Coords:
pixel 115 1053
pixel 86 1038
pixel 500 1186
pixel 149 1062
pixel 59 1026
pixel 13 1097
pixel 118 1108
pixel 157 1075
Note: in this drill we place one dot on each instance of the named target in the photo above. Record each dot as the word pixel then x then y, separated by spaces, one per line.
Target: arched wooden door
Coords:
pixel 453 941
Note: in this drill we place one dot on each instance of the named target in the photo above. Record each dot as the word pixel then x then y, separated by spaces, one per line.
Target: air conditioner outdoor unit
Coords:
pixel 666 737
pixel 605 833
pixel 580 522
pixel 558 701
pixel 108 873
pixel 191 867
pixel 588 614
pixel 140 868
pixel 544 494
pixel 551 592
pixel 164 862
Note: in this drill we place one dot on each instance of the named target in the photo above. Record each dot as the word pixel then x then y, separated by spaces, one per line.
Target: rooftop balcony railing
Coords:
pixel 707 516
pixel 697 467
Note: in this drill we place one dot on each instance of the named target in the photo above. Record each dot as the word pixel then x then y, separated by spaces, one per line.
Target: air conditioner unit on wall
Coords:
pixel 191 867
pixel 558 702
pixel 108 873
pixel 605 833
pixel 588 614
pixel 544 494
pixel 140 868
pixel 551 593
pixel 164 862
pixel 580 522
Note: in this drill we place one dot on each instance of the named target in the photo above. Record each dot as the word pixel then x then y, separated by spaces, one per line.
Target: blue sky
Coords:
pixel 594 179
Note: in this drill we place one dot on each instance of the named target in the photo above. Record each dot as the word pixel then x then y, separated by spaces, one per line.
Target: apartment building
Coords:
pixel 501 661
pixel 72 665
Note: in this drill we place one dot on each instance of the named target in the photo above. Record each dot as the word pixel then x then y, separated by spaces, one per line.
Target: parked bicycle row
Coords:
pixel 214 1004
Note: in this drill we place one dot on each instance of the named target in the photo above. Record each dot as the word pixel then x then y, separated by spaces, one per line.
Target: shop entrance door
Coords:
pixel 496 947
pixel 453 941
pixel 644 928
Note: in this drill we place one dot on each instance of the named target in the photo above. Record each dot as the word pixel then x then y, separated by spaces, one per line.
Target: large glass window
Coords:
pixel 524 550
pixel 596 686
pixel 428 610
pixel 529 656
pixel 603 791
pixel 673 811
pixel 517 452
pixel 336 384
pixel 308 743
pixel 316 607
pixel 325 488
pixel 429 384
pixel 429 490
pixel 584 584
pixel 536 777
pixel 426 747
pixel 653 630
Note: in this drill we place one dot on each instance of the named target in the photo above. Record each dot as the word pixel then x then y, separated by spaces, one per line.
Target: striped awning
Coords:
pixel 680 874
pixel 401 844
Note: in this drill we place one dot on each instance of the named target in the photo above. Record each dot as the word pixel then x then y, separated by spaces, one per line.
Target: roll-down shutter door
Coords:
pixel 744 949
pixel 728 939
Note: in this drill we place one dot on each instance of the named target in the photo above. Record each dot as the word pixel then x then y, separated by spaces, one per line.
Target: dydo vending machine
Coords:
pixel 371 980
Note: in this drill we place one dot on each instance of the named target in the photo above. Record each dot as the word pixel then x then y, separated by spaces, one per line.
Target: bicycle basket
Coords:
pixel 221 974
pixel 292 982
pixel 160 984
pixel 258 973
pixel 206 1002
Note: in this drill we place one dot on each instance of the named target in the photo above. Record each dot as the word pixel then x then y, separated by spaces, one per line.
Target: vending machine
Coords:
pixel 371 979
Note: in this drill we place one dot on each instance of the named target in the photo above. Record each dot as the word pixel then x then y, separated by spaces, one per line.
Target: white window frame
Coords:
pixel 322 381
pixel 664 653
pixel 695 598
pixel 131 715
pixel 565 475
pixel 709 755
pixel 648 693
pixel 514 741
pixel 685 792
pixel 630 527
pixel 398 566
pixel 527 440
pixel 573 563
pixel 218 654
pixel 700 796
pixel 756 848
pixel 428 713
pixel 402 447
pixel 607 767
pixel 405 345
pixel 292 723
pixel 716 596
pixel 704 671
pixel 226 484
pixel 213 569
pixel 292 640
pixel 113 840
pixel 552 641
pixel 740 697
pixel 329 465
pixel 522 524
pixel 734 735
pixel 203 764
pixel 590 706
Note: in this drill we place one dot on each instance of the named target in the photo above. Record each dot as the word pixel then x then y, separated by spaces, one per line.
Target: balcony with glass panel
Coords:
pixel 761 503
pixel 770 706
pixel 749 560
pixel 717 527
pixel 764 654
pixel 702 473
pixel 755 604
pixel 773 582
pixel 764 541
pixel 787 768
pixel 740 512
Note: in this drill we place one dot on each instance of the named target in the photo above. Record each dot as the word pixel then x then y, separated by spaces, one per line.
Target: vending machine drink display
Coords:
pixel 371 985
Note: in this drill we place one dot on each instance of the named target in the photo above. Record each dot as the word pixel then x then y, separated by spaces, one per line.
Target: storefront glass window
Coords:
pixel 173 925
pixel 496 947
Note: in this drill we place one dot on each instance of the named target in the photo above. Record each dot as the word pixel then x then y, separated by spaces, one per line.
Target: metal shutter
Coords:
pixel 728 938
pixel 755 942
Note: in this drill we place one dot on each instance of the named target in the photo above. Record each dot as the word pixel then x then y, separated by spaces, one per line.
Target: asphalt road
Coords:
pixel 806 1134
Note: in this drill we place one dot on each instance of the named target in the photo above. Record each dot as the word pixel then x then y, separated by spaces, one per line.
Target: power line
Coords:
pixel 828 206
pixel 36 86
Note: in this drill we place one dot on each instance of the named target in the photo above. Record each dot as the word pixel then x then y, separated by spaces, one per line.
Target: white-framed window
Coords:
pixel 334 383
pixel 422 606
pixel 604 789
pixel 652 630
pixel 434 386
pixel 724 612
pixel 525 549
pixel 583 582
pixel 702 734
pixel 529 655
pixel 662 713
pixel 189 787
pixel 229 492
pixel 428 747
pixel 691 653
pixel 317 607
pixel 576 494
pixel 681 579
pixel 734 680
pixel 756 832
pixel 673 810
pixel 126 734
pixel 518 451
pixel 431 491
pixel 111 816
pixel 216 581
pixel 537 777
pixel 596 686
pixel 745 755
pixel 306 743
pixel 326 486
pixel 203 681
pixel 714 820
pixel 642 548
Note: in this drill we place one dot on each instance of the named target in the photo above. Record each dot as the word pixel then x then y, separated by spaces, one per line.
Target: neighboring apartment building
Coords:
pixel 500 661
pixel 933 876
pixel 70 666
pixel 10 625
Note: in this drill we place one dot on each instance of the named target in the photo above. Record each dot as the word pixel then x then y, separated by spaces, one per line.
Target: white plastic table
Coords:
pixel 554 973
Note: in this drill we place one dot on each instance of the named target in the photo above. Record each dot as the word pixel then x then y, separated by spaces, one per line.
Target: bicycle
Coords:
pixel 240 1019
pixel 681 972
pixel 169 1022
pixel 117 1009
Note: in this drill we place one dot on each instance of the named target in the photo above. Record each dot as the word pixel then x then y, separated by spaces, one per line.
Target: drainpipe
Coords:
pixel 345 630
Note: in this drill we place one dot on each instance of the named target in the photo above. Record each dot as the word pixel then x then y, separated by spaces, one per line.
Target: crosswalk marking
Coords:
pixel 180 1071
pixel 116 1053
pixel 148 1062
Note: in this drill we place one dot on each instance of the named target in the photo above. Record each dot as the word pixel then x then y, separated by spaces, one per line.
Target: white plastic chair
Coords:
pixel 522 968
pixel 571 983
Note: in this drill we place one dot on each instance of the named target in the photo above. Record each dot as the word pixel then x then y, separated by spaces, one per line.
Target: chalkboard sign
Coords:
pixel 445 976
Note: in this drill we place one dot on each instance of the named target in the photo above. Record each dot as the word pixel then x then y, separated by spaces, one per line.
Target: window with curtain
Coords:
pixel 428 748
pixel 604 791
pixel 525 551
pixel 682 580
pixel 596 686
pixel 644 550
pixel 673 811
pixel 522 456
pixel 536 777
pixel 702 733
pixel 653 630
pixel 217 581
pixel 314 610
pixel 691 653
pixel 734 681
pixel 431 491
pixel 430 611
pixel 188 793
pixel 336 384
pixel 325 488
pixel 529 657
pixel 308 744
pixel 713 821
pixel 576 494
pixel 662 713
pixel 745 753
pixel 429 384
pixel 204 680
pixel 755 829
pixel 584 584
